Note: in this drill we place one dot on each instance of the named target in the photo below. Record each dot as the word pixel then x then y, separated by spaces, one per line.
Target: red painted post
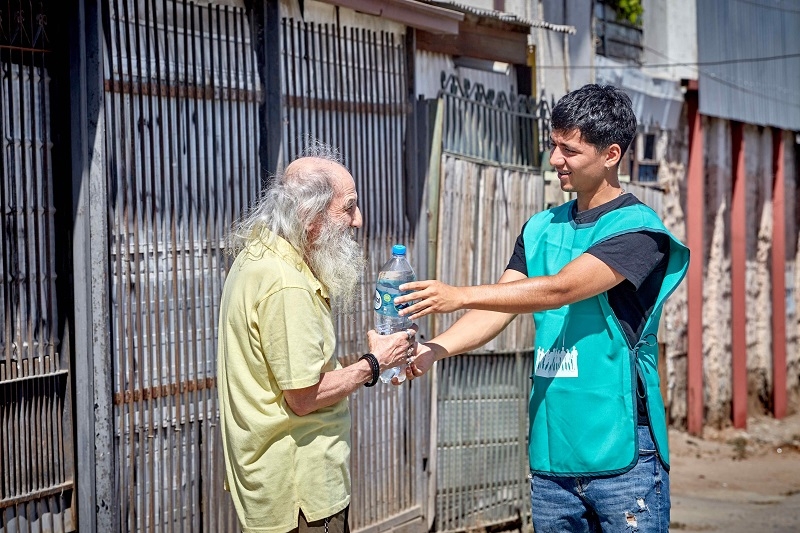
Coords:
pixel 738 276
pixel 695 228
pixel 778 278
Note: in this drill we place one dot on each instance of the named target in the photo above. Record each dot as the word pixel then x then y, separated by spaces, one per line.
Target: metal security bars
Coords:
pixel 182 95
pixel 36 464
pixel 347 86
pixel 616 39
pixel 510 130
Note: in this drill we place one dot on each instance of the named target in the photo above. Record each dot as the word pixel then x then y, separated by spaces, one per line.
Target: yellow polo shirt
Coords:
pixel 276 333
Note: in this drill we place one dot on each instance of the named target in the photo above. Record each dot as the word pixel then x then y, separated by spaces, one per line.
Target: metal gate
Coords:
pixel 181 106
pixel 36 459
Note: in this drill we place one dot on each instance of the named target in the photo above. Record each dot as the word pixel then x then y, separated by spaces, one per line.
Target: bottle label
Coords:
pixel 384 300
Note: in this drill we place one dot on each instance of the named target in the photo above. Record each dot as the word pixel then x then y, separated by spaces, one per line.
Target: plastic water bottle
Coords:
pixel 394 273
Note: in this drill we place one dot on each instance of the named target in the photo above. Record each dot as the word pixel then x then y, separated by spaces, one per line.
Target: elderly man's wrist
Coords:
pixel 375 368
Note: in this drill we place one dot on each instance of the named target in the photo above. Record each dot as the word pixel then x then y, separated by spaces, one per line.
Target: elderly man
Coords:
pixel 283 394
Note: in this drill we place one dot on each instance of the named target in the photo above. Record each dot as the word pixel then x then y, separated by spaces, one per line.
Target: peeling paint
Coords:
pixel 717 366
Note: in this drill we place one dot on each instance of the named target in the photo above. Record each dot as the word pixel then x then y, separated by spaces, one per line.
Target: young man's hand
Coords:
pixel 429 296
pixel 426 354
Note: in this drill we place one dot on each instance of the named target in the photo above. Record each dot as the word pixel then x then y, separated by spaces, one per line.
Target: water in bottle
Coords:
pixel 394 273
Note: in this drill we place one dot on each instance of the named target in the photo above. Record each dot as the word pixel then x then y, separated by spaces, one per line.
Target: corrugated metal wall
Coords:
pixel 744 76
pixel 347 86
pixel 182 163
pixel 481 400
pixel 482 456
pixel 36 461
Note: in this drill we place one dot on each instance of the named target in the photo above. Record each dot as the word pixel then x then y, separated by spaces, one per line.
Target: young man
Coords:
pixel 283 394
pixel 595 273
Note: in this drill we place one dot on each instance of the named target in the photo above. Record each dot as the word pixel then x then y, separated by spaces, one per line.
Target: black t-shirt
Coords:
pixel 641 257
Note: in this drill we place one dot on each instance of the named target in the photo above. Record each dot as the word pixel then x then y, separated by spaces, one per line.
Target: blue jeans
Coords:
pixel 636 501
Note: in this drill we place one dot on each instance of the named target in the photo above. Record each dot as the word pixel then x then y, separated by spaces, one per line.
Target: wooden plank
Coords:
pixel 480 42
pixel 396 521
pixel 409 12
pixel 506 199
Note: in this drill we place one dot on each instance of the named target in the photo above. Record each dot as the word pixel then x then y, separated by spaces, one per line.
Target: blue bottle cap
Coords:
pixel 398 249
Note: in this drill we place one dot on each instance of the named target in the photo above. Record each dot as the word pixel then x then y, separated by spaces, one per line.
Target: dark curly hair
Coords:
pixel 602 113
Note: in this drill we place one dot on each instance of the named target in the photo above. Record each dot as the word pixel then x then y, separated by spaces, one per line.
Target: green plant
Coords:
pixel 627 10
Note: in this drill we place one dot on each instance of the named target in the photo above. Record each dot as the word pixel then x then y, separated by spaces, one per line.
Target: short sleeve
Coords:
pixel 634 255
pixel 292 337
pixel 518 261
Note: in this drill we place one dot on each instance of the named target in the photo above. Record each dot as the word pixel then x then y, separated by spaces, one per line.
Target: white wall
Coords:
pixel 578 48
pixel 670 36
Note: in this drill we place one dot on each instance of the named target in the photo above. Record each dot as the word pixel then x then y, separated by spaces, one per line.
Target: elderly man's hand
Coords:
pixel 429 296
pixel 395 349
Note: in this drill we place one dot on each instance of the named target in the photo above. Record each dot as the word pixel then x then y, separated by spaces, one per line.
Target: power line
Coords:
pixel 697 66
pixel 680 64
pixel 766 6
pixel 729 83
pixel 733 85
pixel 727 61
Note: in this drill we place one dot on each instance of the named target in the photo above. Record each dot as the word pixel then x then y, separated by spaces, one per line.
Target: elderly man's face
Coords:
pixel 344 207
pixel 343 211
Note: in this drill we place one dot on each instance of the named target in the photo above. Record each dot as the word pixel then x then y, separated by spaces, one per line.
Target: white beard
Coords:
pixel 338 262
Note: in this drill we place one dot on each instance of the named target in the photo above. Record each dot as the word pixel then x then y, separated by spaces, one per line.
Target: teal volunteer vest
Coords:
pixel 582 406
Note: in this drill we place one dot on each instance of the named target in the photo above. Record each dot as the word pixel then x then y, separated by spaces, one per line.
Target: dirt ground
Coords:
pixel 737 480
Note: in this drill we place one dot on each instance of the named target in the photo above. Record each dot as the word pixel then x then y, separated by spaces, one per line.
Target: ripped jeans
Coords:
pixel 636 501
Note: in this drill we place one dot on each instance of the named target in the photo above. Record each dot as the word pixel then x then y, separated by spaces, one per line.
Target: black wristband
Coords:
pixel 375 366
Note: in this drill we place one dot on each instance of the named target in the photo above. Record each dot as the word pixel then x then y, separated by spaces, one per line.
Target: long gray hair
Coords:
pixel 288 206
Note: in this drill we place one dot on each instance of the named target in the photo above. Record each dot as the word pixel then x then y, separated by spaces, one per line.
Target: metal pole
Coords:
pixel 778 276
pixel 738 276
pixel 695 240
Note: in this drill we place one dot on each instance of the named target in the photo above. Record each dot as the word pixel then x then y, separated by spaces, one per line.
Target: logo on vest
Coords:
pixel 559 363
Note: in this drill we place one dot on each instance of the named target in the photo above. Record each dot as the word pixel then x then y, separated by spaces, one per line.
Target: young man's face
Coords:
pixel 581 168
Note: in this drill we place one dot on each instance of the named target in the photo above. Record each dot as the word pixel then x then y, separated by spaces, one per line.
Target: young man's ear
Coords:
pixel 613 155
